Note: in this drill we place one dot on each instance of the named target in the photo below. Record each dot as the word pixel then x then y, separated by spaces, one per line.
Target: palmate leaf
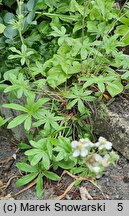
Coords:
pixel 26 179
pixel 39 144
pixel 58 33
pixel 49 119
pixel 74 6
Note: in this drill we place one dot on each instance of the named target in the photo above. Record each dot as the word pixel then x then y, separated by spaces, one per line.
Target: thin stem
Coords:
pixel 83 22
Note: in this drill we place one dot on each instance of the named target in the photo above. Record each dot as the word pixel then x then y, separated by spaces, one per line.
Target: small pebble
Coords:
pixel 117 196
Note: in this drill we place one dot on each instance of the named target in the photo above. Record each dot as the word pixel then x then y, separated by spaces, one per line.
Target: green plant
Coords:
pixel 58 58
pixel 31 109
pixel 110 82
pixel 82 157
pixel 123 28
pixel 3 121
pixel 79 96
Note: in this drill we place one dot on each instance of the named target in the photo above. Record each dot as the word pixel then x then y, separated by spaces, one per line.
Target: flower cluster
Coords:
pixel 103 144
pixel 96 163
pixel 81 147
pixel 97 156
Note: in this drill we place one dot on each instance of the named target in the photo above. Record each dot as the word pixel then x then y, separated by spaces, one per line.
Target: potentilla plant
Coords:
pixel 61 58
pixel 83 158
pixel 96 156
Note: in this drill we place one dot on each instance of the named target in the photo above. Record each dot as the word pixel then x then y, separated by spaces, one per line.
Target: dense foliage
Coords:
pixel 59 57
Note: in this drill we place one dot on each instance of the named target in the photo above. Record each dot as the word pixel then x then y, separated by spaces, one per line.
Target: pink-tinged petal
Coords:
pixel 76 153
pixel 74 144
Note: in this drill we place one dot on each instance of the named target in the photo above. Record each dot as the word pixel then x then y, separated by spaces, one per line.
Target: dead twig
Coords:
pixel 66 191
pixel 26 188
pixel 9 182
pixel 77 177
pixel 84 179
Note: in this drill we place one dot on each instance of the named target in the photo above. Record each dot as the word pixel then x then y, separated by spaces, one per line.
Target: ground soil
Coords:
pixel 113 185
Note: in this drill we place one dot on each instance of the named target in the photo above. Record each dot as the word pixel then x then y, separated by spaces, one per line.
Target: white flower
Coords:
pixel 84 152
pixel 103 144
pixel 86 142
pixel 76 153
pixel 80 152
pixel 81 147
pixel 74 144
